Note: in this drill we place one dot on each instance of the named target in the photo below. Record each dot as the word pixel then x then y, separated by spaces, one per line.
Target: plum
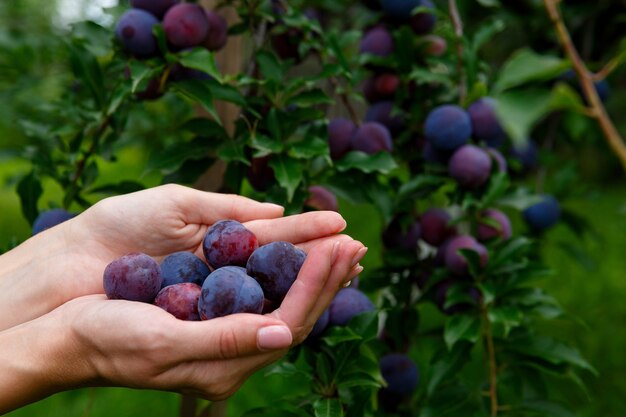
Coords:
pixel 340 132
pixel 50 218
pixel 321 199
pixel 228 242
pixel 542 215
pixel 134 32
pixel 470 166
pixel 276 266
pixel 448 127
pixel 156 7
pixel 400 373
pixel 348 303
pixel 380 87
pixel 229 290
pixel 180 300
pixel 435 226
pixel 382 112
pixel 133 277
pixel 424 22
pixel 485 124
pixel 186 25
pixel 260 174
pixel 377 41
pixel 404 238
pixel 371 138
pixel 180 267
pixel 527 154
pixel 218 31
pixel 455 262
pixel 487 231
pixel 320 324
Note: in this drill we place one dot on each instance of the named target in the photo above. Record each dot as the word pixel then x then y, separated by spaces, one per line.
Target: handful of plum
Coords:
pixel 241 276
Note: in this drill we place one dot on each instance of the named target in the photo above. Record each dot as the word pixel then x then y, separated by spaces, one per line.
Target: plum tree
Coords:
pixel 377 41
pixel 321 198
pixel 156 7
pixel 229 290
pixel 133 277
pixel 228 242
pixel 448 127
pixel 180 300
pixel 348 303
pixel 180 267
pixel 340 132
pixel 218 31
pixel 186 25
pixel 485 124
pixel 371 138
pixel 276 266
pixel 542 215
pixel 50 218
pixel 493 224
pixel 134 32
pixel 435 225
pixel 470 166
pixel 455 262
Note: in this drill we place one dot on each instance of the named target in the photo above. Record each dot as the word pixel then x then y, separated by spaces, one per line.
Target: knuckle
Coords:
pixel 228 346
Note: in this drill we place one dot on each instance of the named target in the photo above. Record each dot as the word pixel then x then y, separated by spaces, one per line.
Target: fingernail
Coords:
pixel 274 337
pixel 359 255
pixel 355 271
pixel 335 253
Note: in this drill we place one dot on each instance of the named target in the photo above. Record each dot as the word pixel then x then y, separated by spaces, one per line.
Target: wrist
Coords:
pixel 39 358
pixel 32 275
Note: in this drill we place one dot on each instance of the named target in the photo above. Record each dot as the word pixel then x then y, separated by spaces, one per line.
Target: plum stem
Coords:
pixel 586 78
pixel 493 365
pixel 458 31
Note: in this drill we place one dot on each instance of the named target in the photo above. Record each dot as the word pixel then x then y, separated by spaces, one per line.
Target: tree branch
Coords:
pixel 612 136
pixel 493 365
pixel 458 31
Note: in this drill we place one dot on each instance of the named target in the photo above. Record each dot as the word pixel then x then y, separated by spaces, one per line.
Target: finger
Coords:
pixel 311 293
pixel 202 207
pixel 297 228
pixel 234 336
pixel 307 246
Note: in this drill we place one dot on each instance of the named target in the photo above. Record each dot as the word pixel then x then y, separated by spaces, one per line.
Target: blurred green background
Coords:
pixel 589 282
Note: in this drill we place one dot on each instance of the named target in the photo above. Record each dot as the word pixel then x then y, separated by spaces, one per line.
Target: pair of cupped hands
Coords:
pixel 62 332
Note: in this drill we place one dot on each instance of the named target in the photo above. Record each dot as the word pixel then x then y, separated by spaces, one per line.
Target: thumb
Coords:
pixel 233 336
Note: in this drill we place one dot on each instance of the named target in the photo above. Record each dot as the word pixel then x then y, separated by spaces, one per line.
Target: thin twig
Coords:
pixel 458 31
pixel 336 85
pixel 611 134
pixel 609 67
pixel 493 366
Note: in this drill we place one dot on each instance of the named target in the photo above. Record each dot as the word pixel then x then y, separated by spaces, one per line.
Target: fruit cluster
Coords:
pixel 240 277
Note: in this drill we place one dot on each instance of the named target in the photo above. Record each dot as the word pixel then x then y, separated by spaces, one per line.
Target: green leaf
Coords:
pixel 507 316
pixel 328 407
pixel 86 68
pixel 546 408
pixel 365 324
pixel 520 199
pixel 289 173
pixel 550 350
pixel 525 66
pixel 269 66
pixel 519 110
pixel 201 59
pixel 381 162
pixel 447 365
pixel 265 145
pixel 461 327
pixel 498 184
pixel 420 185
pixel 29 189
pixel 310 98
pixel 227 93
pixel 200 92
pixel 171 158
pixel 336 335
pixel 309 148
pixel 205 127
pixel 566 98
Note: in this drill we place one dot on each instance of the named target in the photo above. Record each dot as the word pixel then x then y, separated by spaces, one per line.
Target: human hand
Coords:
pixel 67 261
pixel 94 341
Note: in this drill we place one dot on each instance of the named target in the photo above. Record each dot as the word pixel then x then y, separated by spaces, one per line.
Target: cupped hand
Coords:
pixel 171 218
pixel 132 344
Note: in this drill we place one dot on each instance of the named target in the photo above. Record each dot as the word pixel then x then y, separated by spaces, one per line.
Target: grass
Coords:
pixel 594 297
